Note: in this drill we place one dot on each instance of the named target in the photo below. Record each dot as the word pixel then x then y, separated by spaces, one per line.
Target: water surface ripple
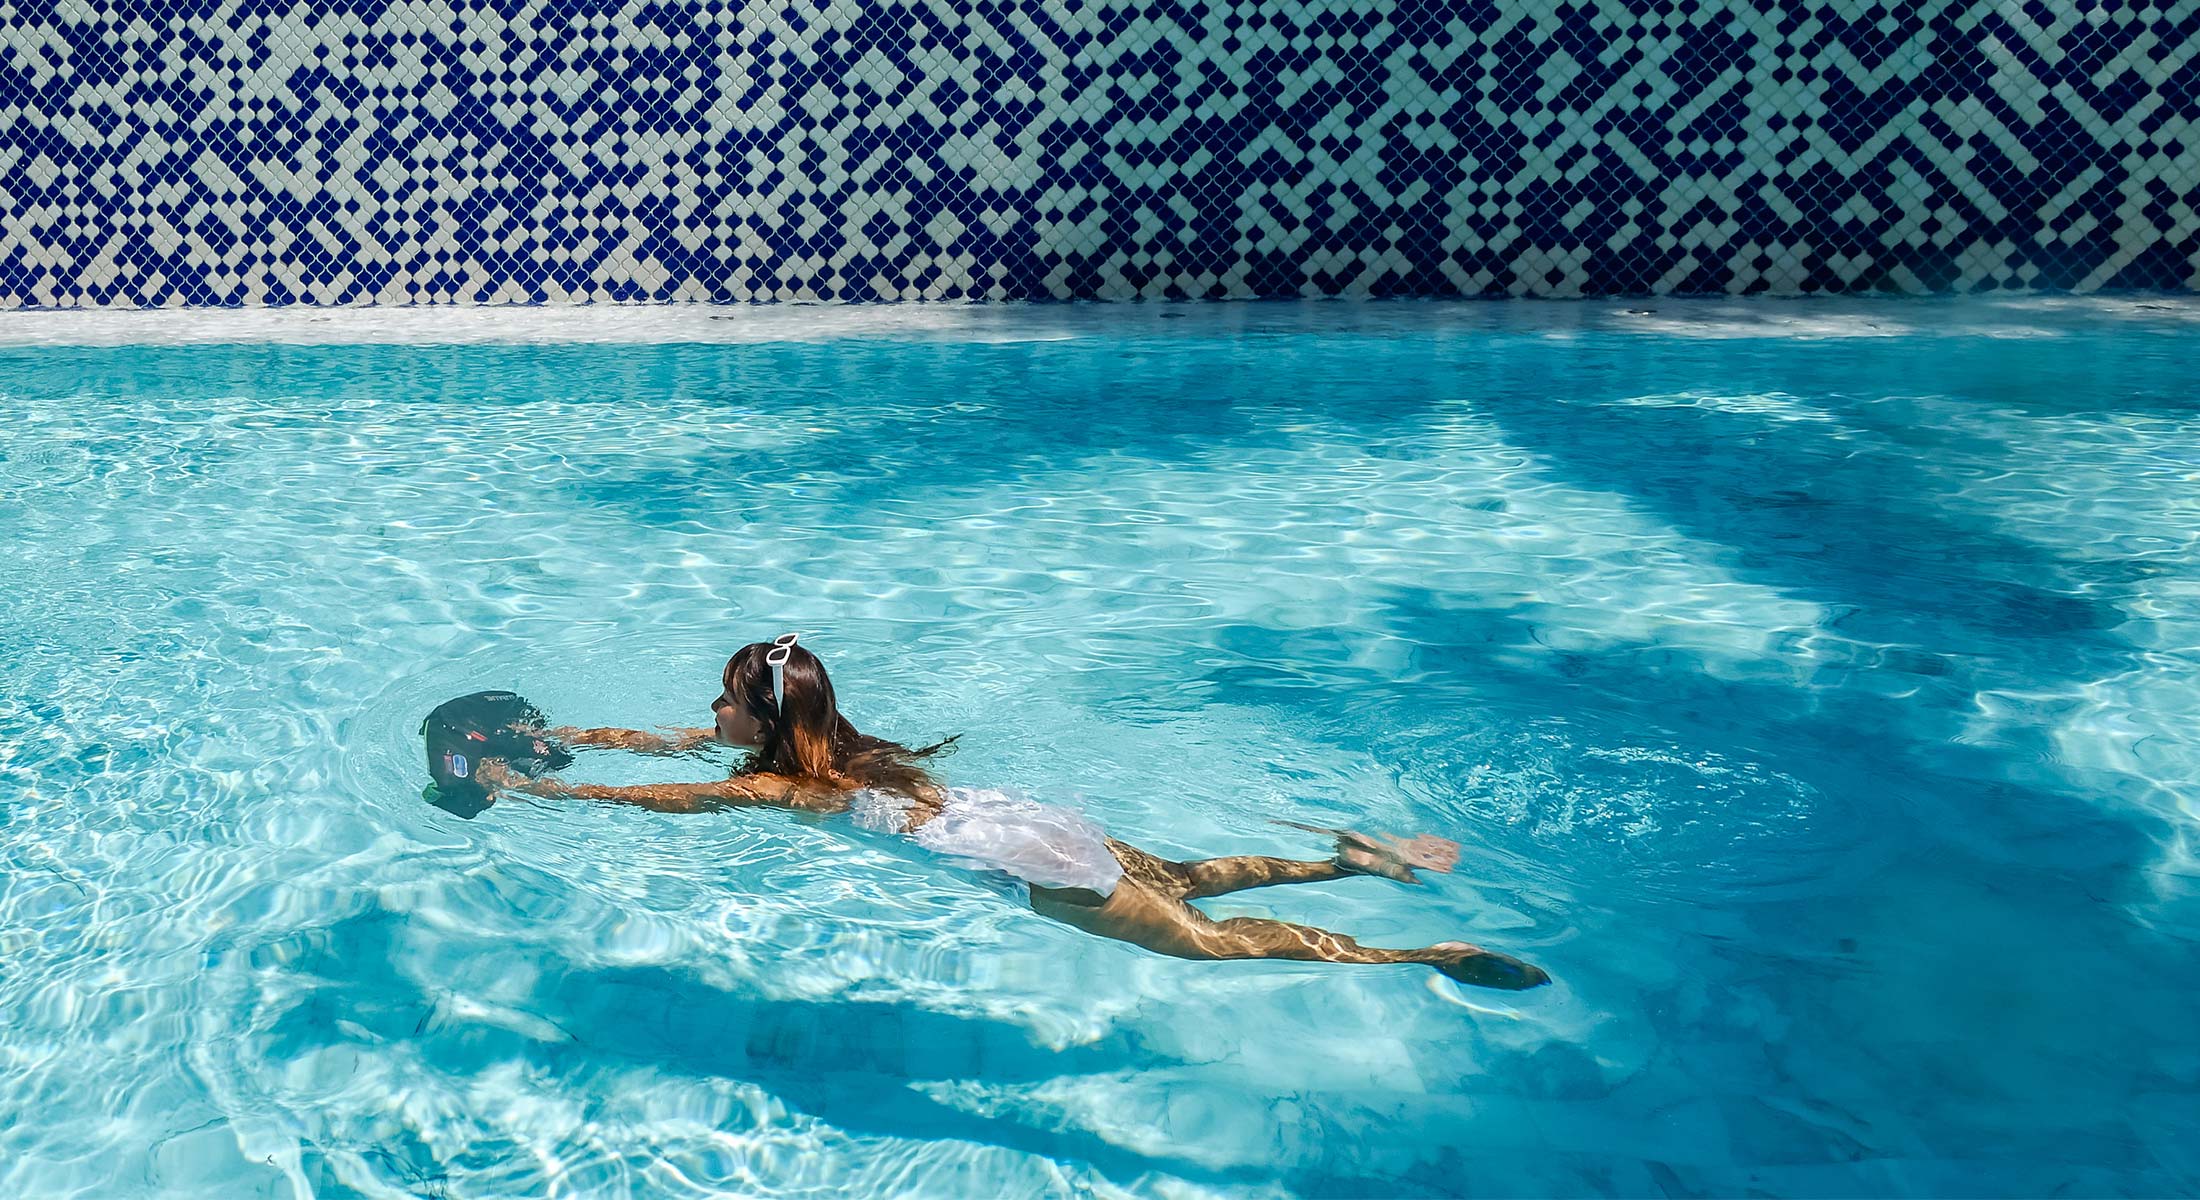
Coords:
pixel 1824 712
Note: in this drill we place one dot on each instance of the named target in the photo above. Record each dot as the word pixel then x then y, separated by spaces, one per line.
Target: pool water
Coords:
pixel 1815 691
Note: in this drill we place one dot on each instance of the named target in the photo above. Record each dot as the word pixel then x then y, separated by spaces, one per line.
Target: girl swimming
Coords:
pixel 777 699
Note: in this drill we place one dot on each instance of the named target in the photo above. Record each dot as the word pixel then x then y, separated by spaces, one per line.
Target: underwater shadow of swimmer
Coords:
pixel 849 1064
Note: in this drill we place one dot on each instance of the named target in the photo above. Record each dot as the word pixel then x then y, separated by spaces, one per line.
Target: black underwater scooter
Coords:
pixel 462 732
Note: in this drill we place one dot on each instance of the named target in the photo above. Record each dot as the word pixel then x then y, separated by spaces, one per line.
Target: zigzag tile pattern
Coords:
pixel 258 152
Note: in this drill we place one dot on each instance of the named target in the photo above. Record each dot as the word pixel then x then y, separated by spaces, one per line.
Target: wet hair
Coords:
pixel 805 735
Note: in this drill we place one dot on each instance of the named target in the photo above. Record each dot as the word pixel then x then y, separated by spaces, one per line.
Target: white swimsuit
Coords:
pixel 994 831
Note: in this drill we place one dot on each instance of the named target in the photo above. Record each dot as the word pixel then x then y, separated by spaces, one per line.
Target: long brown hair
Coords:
pixel 805 735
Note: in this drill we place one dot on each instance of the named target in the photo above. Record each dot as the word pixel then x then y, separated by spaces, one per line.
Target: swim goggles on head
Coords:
pixel 776 658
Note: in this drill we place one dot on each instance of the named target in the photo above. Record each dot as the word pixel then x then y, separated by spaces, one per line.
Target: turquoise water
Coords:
pixel 1821 706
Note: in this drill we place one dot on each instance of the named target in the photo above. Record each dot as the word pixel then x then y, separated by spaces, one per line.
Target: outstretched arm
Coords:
pixel 745 791
pixel 672 741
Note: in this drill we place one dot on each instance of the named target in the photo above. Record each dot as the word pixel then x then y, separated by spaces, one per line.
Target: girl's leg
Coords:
pixel 1164 923
pixel 1219 876
pixel 1356 855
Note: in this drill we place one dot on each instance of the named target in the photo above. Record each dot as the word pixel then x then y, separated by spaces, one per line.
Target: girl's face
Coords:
pixel 736 725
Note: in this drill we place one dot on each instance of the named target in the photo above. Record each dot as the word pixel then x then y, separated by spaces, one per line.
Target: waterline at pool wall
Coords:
pixel 245 152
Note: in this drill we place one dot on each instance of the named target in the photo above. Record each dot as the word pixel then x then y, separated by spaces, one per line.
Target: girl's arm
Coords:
pixel 743 791
pixel 672 741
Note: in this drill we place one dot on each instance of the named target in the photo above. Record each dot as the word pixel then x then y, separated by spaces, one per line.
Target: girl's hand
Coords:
pixel 494 774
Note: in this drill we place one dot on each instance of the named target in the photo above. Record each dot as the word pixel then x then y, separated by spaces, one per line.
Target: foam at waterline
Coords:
pixel 1690 318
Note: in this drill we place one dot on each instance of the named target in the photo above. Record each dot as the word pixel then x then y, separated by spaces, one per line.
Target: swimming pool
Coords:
pixel 1815 688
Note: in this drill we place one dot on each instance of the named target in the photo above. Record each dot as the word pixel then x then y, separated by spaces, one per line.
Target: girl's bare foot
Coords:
pixel 1390 857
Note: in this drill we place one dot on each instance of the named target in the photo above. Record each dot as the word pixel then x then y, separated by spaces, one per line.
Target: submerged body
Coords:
pixel 809 758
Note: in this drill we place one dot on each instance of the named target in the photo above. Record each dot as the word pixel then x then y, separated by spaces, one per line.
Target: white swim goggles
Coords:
pixel 776 658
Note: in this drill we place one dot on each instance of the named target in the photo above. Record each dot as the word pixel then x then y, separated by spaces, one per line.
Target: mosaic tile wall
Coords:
pixel 157 152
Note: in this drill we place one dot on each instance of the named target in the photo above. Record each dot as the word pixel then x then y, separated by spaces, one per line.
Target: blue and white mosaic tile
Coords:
pixel 159 152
